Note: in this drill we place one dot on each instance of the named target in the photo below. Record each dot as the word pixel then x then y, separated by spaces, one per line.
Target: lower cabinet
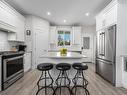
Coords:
pixel 27 61
pixel 0 72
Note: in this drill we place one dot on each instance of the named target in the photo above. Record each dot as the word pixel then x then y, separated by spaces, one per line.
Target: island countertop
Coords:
pixel 58 55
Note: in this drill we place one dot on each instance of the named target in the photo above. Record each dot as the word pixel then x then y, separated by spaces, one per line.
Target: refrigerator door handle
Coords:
pixel 103 43
pixel 100 44
pixel 109 63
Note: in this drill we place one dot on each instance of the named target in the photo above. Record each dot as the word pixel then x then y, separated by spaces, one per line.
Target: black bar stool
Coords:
pixel 45 67
pixel 79 76
pixel 63 77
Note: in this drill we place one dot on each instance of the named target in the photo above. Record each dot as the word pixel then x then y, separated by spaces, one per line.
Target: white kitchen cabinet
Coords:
pixel 21 29
pixel 99 20
pixel 12 21
pixel 111 16
pixel 0 72
pixel 12 36
pixel 76 35
pixel 53 35
pixel 27 61
pixel 107 17
pixel 7 18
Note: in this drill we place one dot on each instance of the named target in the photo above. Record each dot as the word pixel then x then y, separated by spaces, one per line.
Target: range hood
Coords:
pixel 7 27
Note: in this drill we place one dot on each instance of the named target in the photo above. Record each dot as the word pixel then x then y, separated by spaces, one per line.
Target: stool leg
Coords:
pixel 75 79
pixel 38 83
pixel 67 78
pixel 51 78
pixel 62 75
pixel 75 82
pixel 85 85
pixel 45 84
pixel 58 78
pixel 84 80
pixel 45 80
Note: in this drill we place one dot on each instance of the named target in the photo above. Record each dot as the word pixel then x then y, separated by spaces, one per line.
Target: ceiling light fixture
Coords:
pixel 65 21
pixel 48 13
pixel 87 14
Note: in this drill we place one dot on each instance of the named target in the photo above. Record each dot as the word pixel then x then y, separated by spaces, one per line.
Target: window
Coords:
pixel 64 38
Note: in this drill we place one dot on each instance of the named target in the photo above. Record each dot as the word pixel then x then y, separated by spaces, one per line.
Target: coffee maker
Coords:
pixel 21 48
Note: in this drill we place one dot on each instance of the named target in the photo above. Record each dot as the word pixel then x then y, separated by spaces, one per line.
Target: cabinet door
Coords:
pixel 7 17
pixel 111 16
pixel 27 62
pixel 20 29
pixel 52 35
pixel 76 35
pixel 0 72
pixel 99 22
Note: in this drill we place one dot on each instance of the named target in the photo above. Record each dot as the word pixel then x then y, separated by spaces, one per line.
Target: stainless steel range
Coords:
pixel 12 68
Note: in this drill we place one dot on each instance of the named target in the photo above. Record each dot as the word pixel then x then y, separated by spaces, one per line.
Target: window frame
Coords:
pixel 65 30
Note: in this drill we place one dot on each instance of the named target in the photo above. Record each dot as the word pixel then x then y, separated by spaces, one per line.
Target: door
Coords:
pixel 101 44
pixel 105 69
pixel 41 44
pixel 106 43
pixel 87 48
pixel 110 43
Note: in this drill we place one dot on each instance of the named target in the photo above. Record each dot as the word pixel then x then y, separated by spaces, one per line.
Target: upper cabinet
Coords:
pixel 76 35
pixel 107 17
pixel 20 28
pixel 53 35
pixel 7 18
pixel 12 21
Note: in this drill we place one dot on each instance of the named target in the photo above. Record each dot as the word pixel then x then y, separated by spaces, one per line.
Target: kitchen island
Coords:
pixel 56 57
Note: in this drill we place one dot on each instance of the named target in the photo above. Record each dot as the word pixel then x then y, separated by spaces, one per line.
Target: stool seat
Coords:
pixel 63 66
pixel 80 66
pixel 45 66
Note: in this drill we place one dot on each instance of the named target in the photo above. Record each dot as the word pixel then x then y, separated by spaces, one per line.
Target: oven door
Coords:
pixel 12 67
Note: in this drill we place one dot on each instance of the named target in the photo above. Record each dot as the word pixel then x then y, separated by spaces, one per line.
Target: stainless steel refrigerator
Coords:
pixel 106 53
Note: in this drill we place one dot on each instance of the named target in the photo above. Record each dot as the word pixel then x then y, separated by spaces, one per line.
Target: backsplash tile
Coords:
pixel 6 45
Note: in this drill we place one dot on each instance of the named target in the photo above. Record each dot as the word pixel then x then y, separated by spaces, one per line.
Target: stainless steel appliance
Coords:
pixel 12 68
pixel 106 53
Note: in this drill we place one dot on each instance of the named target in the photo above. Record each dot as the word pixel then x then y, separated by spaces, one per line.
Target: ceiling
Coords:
pixel 73 11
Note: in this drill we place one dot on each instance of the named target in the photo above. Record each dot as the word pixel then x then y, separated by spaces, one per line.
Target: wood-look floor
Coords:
pixel 97 86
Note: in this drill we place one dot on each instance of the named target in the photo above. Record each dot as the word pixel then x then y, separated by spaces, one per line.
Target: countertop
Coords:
pixel 57 55
pixel 3 53
pixel 123 55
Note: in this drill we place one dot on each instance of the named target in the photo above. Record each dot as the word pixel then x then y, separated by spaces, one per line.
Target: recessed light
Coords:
pixel 48 13
pixel 87 14
pixel 64 21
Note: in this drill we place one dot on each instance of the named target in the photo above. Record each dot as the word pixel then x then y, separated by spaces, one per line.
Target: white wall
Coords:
pixel 121 42
pixel 28 38
pixel 4 45
pixel 124 73
pixel 90 31
pixel 34 23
